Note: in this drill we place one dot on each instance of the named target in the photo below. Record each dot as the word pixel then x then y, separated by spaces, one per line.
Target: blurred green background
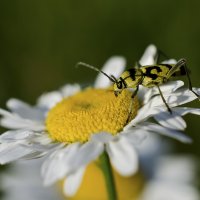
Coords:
pixel 42 40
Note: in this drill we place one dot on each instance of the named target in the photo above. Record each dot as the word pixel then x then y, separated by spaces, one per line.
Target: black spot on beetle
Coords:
pixel 149 73
pixel 119 85
pixel 123 82
pixel 132 72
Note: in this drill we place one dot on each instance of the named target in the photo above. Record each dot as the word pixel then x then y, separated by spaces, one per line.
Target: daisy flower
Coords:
pixel 73 127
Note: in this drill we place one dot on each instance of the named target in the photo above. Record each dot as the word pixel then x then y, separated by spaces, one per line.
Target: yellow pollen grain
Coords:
pixel 90 111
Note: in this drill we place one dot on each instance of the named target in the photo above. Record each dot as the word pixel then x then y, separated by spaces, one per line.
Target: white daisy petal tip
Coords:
pixel 123 157
pixel 173 133
pixel 170 120
pixel 184 139
pixel 148 57
pixel 12 103
pixel 73 182
pixel 49 99
pixel 113 62
pixel 170 61
pixel 188 140
pixel 70 89
pixel 186 110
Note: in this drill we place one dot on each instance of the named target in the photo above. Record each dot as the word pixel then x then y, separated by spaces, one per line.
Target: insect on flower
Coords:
pixel 147 76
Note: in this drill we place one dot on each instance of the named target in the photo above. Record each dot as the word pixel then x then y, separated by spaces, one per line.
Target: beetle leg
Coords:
pixel 135 92
pixel 161 94
pixel 182 62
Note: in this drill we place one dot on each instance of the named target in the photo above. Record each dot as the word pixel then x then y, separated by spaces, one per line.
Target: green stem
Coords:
pixel 108 175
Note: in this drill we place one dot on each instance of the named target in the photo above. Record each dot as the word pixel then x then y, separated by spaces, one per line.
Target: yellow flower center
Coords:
pixel 88 112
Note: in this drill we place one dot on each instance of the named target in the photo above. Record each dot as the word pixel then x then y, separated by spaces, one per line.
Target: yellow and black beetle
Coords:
pixel 147 76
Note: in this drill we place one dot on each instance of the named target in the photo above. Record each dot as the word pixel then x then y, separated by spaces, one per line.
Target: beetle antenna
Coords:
pixel 111 78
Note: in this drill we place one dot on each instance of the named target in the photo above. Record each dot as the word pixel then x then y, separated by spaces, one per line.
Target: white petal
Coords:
pixel 37 143
pixel 12 151
pixel 13 121
pixel 167 132
pixel 154 105
pixel 73 181
pixel 123 157
pixel 160 190
pixel 179 97
pixel 42 147
pixel 43 138
pixel 170 120
pixel 48 100
pixel 87 153
pixel 144 113
pixel 144 94
pixel 60 159
pixel 11 136
pixel 170 61
pixel 24 110
pixel 68 160
pixel 26 183
pixel 34 155
pixel 148 57
pixel 102 137
pixel 5 113
pixel 170 86
pixel 178 169
pixel 185 110
pixel 19 123
pixel 166 88
pixel 114 66
pixel 70 89
pixel 173 179
pixel 134 135
pixel 152 147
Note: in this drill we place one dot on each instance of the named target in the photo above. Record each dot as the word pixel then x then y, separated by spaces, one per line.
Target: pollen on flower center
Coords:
pixel 76 118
